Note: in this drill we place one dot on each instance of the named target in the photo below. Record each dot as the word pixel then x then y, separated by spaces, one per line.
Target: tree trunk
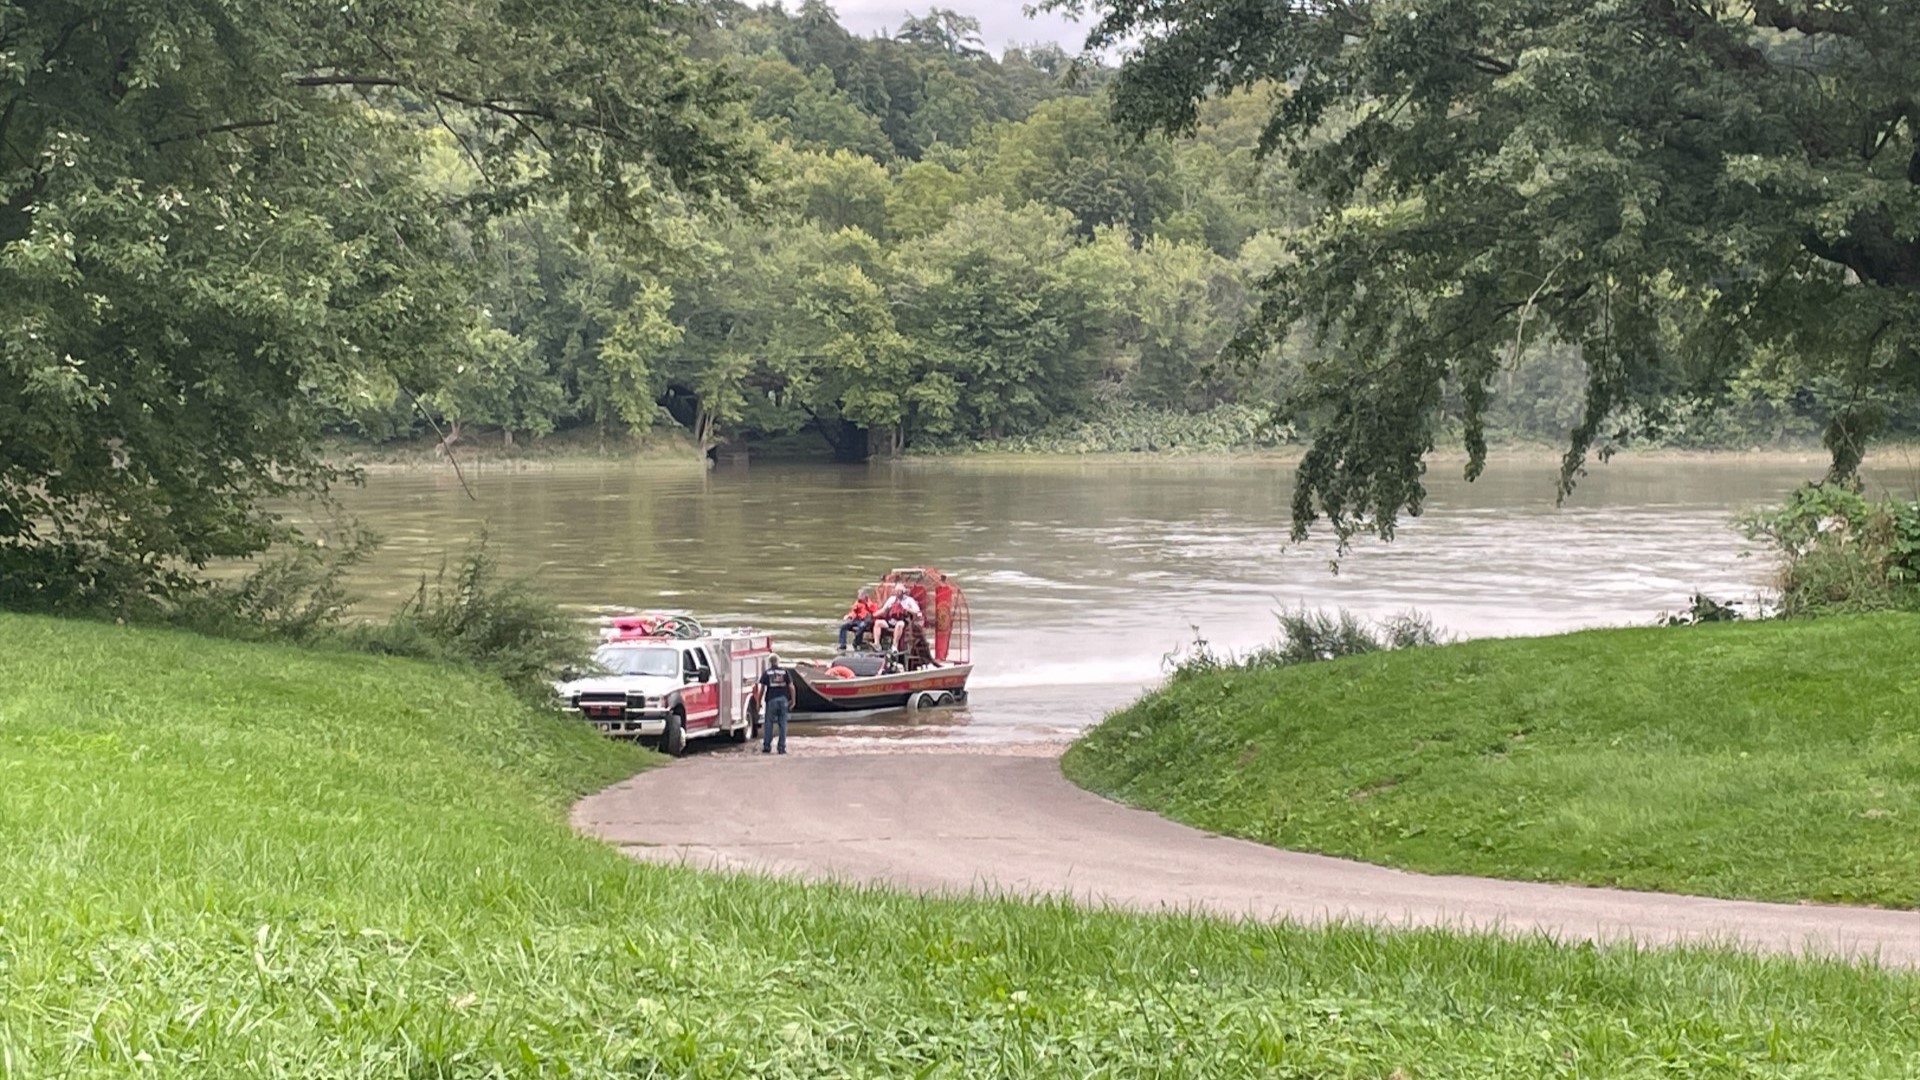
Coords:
pixel 703 424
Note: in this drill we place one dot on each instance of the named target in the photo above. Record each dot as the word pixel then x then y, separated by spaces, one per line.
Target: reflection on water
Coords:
pixel 1082 577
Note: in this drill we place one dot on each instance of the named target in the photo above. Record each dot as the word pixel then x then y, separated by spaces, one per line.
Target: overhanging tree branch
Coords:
pixel 1811 19
pixel 214 129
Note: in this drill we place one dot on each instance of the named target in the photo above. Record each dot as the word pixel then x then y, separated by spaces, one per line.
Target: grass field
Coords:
pixel 1769 760
pixel 240 861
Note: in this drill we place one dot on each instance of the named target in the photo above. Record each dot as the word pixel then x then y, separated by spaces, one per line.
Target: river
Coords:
pixel 1082 577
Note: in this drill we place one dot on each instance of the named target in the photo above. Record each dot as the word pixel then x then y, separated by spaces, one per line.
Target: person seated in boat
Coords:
pixel 900 612
pixel 858 620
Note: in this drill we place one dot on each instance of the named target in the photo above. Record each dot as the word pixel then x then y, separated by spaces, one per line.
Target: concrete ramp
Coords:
pixel 957 823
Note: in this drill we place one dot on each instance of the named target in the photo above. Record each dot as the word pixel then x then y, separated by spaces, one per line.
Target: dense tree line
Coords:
pixel 958 247
pixel 229 226
pixel 952 246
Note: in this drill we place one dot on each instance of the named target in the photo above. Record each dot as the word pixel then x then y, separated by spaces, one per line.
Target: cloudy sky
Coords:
pixel 1001 21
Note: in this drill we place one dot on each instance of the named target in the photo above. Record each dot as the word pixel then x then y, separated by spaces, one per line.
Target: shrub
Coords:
pixel 1308 636
pixel 469 612
pixel 298 595
pixel 1840 552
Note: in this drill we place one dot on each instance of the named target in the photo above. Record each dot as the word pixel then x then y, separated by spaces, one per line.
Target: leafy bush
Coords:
pixel 1308 636
pixel 1841 552
pixel 298 595
pixel 469 612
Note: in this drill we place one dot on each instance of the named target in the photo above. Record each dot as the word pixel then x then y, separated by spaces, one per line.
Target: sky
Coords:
pixel 1002 22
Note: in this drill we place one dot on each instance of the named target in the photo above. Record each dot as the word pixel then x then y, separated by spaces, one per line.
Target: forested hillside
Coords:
pixel 951 247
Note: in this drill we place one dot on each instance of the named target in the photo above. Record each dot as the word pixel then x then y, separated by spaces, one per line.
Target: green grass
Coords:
pixel 223 860
pixel 1775 760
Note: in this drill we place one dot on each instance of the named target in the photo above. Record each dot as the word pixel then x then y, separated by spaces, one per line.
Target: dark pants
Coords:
pixel 856 627
pixel 776 713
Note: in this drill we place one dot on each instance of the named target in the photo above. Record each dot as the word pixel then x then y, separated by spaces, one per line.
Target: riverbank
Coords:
pixel 672 450
pixel 1770 761
pixel 252 861
pixel 581 449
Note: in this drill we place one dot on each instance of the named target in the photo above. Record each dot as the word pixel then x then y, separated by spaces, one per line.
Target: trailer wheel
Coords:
pixel 674 739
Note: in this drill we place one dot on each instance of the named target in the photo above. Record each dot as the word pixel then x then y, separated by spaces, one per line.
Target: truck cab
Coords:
pixel 672 689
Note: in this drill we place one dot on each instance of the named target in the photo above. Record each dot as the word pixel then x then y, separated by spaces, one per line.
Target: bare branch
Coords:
pixel 214 129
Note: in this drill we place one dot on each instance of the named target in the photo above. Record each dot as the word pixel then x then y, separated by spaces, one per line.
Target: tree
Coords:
pixel 1672 187
pixel 816 114
pixel 848 364
pixel 944 31
pixel 214 219
pixel 729 307
pixel 1068 154
pixel 922 196
pixel 841 190
pixel 991 306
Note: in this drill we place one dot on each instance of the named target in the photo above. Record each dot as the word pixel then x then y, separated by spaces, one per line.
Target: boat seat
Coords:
pixel 862 664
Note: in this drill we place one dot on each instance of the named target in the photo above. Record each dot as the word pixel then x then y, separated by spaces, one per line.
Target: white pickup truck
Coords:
pixel 674 689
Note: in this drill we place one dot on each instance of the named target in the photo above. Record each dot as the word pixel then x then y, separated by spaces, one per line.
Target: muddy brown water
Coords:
pixel 1083 577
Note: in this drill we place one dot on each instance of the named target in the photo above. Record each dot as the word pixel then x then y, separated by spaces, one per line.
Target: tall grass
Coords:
pixel 233 861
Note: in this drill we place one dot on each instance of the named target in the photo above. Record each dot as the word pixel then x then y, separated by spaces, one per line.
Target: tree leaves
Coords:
pixel 219 219
pixel 1669 188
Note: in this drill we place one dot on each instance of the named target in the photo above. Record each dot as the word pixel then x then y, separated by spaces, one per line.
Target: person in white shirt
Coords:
pixel 899 612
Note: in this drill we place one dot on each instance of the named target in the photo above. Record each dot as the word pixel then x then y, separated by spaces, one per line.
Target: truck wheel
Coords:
pixel 674 739
pixel 745 732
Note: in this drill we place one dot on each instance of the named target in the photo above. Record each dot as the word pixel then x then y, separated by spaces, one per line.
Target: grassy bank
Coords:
pixel 246 861
pixel 1771 760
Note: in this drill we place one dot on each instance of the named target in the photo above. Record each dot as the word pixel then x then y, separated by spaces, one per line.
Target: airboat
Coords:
pixel 930 667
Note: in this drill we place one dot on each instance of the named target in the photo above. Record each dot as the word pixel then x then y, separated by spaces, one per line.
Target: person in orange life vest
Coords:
pixel 776 703
pixel 900 611
pixel 859 619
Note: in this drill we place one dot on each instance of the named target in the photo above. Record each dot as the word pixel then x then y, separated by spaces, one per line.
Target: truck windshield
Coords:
pixel 628 660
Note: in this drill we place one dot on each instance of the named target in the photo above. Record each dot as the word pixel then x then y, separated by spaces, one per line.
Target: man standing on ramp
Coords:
pixel 776 702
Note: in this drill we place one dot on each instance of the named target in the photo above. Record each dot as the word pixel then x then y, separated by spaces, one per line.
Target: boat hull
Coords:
pixel 814 692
